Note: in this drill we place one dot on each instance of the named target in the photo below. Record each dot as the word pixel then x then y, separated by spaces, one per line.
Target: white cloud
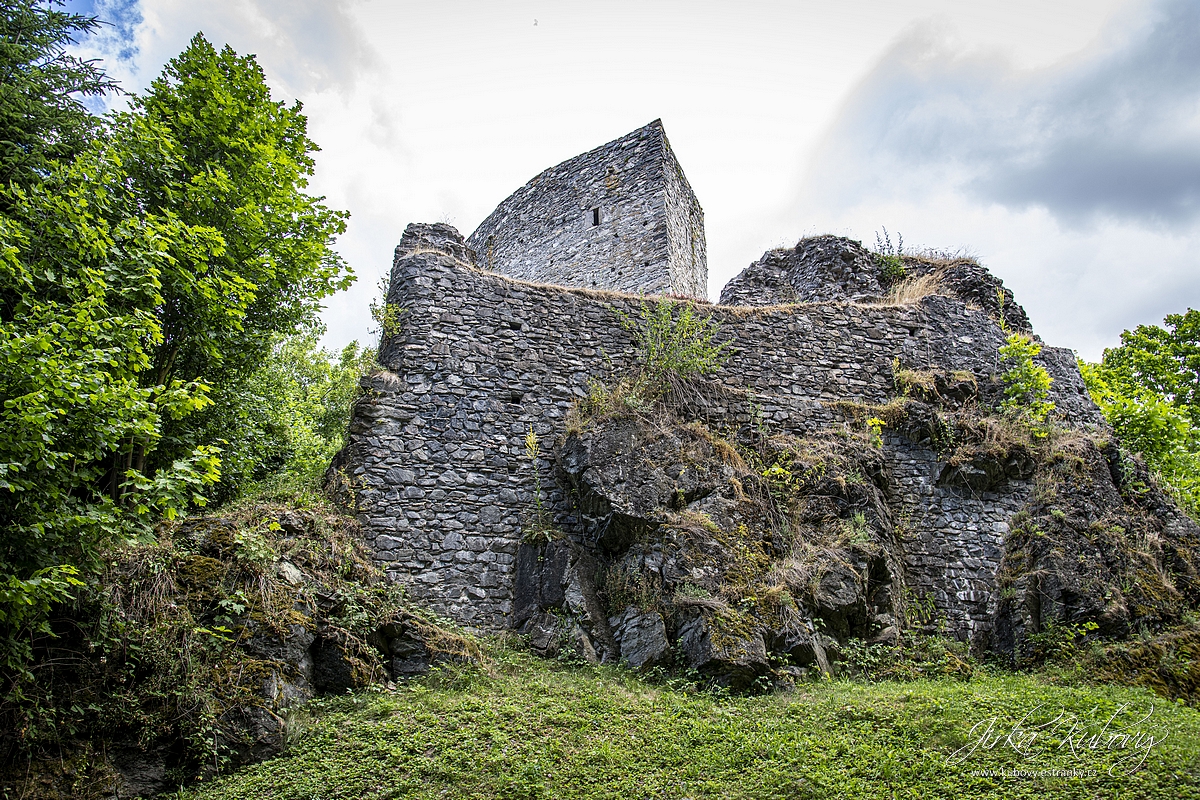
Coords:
pixel 1078 182
pixel 437 111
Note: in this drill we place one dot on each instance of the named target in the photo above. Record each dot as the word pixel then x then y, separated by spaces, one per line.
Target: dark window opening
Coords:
pixel 595 217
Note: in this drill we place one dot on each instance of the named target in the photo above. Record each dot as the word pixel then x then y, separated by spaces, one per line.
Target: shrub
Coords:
pixel 1060 641
pixel 674 340
pixel 1026 384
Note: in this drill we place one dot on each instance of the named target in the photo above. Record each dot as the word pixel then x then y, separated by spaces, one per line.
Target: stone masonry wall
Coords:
pixel 687 253
pixel 437 445
pixel 619 217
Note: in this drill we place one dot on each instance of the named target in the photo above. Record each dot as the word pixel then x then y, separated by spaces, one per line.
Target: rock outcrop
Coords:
pixel 835 269
pixel 745 555
pixel 202 643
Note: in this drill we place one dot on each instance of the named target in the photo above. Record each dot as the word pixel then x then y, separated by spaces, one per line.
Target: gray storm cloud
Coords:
pixel 1113 133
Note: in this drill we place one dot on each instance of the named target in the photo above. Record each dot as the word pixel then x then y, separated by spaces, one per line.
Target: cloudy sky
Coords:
pixel 1057 140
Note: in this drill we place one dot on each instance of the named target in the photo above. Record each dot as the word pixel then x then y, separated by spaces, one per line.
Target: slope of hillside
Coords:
pixel 522 727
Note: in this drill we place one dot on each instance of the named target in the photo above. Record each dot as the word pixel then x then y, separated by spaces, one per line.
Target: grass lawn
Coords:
pixel 520 727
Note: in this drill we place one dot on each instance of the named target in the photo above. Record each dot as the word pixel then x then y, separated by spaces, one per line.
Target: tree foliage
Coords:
pixel 302 396
pixel 1149 391
pixel 158 295
pixel 237 164
pixel 81 266
pixel 42 119
pixel 1163 360
pixel 1026 383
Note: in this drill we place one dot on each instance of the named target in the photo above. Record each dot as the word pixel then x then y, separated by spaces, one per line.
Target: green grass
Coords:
pixel 524 728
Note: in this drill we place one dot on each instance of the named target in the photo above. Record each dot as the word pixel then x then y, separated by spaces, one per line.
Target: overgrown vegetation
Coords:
pixel 676 344
pixel 906 291
pixel 1026 383
pixel 524 727
pixel 172 649
pixel 160 273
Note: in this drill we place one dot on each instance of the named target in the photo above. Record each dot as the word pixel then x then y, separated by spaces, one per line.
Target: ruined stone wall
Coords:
pixel 953 538
pixel 437 450
pixel 619 217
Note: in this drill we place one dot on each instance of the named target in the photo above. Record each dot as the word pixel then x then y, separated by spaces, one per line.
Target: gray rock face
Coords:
pixel 1106 547
pixel 622 216
pixel 736 662
pixel 840 598
pixel 404 644
pixel 705 579
pixel 641 636
pixel 545 634
pixel 822 269
pixel 818 269
pixel 808 650
pixel 141 773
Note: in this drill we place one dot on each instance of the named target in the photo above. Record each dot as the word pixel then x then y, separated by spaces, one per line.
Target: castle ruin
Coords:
pixel 499 335
pixel 620 217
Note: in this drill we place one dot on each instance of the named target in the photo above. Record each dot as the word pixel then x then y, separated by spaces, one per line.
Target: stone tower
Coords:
pixel 620 217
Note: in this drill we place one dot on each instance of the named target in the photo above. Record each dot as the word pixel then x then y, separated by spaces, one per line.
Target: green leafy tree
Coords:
pixel 42 118
pixel 304 394
pixel 144 286
pixel 1163 360
pixel 81 266
pixel 236 163
pixel 1149 391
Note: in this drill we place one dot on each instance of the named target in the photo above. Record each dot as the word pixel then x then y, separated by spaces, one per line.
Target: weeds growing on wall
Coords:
pixel 1026 384
pixel 890 258
pixel 674 340
pixel 386 315
pixel 675 345
pixel 623 399
pixel 539 530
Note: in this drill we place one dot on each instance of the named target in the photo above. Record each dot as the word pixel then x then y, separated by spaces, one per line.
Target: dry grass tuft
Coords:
pixel 722 447
pixel 908 379
pixel 941 258
pixel 913 290
pixel 421 251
